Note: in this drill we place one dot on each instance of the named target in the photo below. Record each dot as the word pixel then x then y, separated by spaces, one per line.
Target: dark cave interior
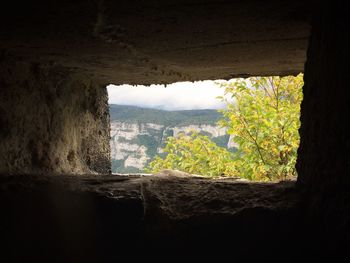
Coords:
pixel 60 202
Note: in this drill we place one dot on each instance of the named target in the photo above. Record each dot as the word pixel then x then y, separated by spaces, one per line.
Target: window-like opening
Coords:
pixel 244 128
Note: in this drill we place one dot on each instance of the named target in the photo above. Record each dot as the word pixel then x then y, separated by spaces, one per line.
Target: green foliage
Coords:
pixel 195 154
pixel 117 164
pixel 150 142
pixel 262 114
pixel 221 141
pixel 118 167
pixel 264 119
pixel 128 169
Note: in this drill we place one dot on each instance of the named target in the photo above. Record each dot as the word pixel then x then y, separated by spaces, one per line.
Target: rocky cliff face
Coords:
pixel 133 145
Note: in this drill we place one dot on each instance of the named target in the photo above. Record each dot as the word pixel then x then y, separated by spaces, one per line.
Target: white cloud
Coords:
pixel 177 96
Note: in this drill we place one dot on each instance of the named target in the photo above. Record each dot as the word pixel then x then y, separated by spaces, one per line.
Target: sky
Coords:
pixel 176 96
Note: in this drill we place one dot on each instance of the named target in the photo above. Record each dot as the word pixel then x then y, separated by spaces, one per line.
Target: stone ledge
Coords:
pixel 179 197
pixel 98 217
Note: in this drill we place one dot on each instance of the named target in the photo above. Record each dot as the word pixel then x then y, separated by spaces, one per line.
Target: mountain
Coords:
pixel 132 114
pixel 138 134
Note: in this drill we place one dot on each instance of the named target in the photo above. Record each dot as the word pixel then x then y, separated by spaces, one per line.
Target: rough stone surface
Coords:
pixel 56 57
pixel 58 53
pixel 52 120
pixel 324 153
pixel 130 151
pixel 145 42
pixel 100 218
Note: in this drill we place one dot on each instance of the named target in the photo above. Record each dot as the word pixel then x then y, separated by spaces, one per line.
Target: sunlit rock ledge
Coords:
pixel 170 195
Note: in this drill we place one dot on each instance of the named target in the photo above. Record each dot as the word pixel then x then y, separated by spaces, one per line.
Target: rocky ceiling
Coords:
pixel 153 41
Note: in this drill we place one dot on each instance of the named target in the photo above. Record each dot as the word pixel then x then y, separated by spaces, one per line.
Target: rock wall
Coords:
pixel 106 218
pixel 135 144
pixel 214 131
pixel 325 136
pixel 52 120
pixel 152 41
pixel 324 154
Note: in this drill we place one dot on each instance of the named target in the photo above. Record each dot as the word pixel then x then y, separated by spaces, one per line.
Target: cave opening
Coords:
pixel 57 58
pixel 237 128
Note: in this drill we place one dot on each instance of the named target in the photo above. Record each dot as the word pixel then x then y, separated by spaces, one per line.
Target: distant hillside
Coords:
pixel 133 114
pixel 138 134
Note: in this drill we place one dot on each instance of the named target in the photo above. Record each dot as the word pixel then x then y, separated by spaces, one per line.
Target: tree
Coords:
pixel 195 154
pixel 263 116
